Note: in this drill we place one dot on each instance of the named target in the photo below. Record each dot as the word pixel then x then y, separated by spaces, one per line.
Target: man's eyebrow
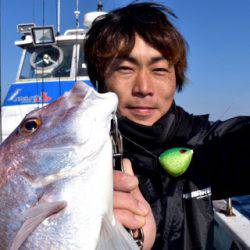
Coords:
pixel 157 59
pixel 135 61
pixel 127 58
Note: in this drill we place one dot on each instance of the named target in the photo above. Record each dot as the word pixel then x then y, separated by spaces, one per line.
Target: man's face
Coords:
pixel 144 82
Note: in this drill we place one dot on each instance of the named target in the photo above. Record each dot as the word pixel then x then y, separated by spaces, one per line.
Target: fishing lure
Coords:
pixel 176 161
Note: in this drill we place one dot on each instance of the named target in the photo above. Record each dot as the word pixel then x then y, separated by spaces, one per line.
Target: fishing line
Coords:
pixel 37 87
pixel 214 125
pixel 141 147
pixel 76 54
pixel 99 8
pixel 58 33
pixel 43 18
pixel 35 69
pixel 0 71
pixel 33 11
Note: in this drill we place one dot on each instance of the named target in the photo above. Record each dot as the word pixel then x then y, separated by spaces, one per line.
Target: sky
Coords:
pixel 217 31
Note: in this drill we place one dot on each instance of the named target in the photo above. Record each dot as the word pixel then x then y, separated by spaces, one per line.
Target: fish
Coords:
pixel 56 177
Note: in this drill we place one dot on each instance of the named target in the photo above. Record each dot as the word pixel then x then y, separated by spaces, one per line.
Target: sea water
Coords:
pixel 242 204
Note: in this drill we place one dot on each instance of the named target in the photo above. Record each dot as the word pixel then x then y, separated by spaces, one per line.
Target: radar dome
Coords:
pixel 91 16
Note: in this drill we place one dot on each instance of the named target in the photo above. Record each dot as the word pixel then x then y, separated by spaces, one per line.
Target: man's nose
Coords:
pixel 143 85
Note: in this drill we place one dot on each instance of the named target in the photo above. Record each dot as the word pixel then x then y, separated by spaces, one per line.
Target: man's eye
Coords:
pixel 124 69
pixel 160 70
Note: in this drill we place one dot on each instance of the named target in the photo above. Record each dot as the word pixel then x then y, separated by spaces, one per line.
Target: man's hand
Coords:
pixel 130 207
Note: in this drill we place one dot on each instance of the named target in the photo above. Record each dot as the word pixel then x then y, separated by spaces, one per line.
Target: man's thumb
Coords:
pixel 129 170
pixel 127 166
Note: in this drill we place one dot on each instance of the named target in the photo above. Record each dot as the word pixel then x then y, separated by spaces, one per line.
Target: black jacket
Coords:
pixel 182 206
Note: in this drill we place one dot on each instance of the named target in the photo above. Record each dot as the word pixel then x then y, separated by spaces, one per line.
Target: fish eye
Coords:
pixel 29 126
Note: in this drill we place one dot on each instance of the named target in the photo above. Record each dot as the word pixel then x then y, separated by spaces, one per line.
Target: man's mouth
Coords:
pixel 141 110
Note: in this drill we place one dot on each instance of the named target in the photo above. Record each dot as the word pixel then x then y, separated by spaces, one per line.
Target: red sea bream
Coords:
pixel 56 188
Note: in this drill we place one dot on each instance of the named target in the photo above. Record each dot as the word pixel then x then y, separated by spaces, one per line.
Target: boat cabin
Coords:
pixel 49 65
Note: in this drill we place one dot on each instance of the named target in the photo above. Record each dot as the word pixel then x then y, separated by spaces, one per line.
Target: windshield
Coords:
pixel 47 62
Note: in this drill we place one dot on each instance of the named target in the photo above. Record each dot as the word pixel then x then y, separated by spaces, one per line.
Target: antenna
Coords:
pixel 99 5
pixel 77 14
pixel 58 16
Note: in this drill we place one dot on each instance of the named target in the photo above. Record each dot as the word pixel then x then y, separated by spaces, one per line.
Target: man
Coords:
pixel 137 53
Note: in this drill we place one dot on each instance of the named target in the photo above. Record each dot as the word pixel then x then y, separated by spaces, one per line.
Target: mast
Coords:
pixel 77 14
pixel 99 5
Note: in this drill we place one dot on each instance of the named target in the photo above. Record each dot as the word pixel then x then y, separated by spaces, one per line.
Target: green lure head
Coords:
pixel 176 160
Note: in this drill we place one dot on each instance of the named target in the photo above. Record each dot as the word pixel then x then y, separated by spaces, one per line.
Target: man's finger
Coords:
pixel 128 219
pixel 127 201
pixel 136 192
pixel 124 182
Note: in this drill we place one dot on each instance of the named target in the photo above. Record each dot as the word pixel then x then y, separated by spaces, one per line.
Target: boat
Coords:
pixel 232 227
pixel 50 64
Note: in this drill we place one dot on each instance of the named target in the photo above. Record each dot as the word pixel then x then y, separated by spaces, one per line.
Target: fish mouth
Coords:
pixel 78 94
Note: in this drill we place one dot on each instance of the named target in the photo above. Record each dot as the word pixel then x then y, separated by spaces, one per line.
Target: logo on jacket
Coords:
pixel 198 194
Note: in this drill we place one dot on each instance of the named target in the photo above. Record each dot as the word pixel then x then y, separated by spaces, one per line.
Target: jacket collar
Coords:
pixel 161 132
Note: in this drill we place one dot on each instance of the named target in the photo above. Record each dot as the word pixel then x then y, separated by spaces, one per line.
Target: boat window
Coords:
pixel 47 62
pixel 82 70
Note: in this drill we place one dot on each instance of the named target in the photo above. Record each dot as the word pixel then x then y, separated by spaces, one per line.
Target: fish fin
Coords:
pixel 113 236
pixel 34 216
